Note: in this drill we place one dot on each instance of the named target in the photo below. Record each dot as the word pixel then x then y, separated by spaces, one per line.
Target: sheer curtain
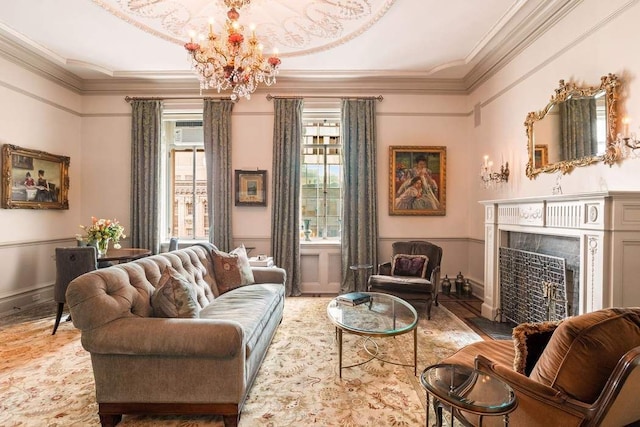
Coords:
pixel 217 151
pixel 578 124
pixel 146 123
pixel 285 214
pixel 359 238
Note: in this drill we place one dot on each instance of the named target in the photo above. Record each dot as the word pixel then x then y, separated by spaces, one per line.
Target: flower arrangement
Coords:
pixel 103 230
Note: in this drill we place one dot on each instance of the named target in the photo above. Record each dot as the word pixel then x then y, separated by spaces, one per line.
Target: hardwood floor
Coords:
pixel 465 308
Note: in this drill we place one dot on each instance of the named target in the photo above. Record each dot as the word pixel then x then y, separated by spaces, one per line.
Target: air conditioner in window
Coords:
pixel 177 135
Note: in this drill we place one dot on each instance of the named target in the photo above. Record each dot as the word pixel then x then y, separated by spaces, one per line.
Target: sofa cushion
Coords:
pixel 584 350
pixel 409 265
pixel 232 269
pixel 530 340
pixel 250 306
pixel 399 284
pixel 174 296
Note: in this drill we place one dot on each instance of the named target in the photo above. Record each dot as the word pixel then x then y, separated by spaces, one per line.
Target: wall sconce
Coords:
pixel 627 142
pixel 489 177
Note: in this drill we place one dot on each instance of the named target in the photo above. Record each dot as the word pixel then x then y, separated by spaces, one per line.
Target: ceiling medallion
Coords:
pixel 231 61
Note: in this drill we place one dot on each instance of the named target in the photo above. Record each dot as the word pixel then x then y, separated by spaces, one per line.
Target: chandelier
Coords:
pixel 231 61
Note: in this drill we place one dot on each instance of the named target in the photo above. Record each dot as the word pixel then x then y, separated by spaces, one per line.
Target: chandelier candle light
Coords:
pixel 226 62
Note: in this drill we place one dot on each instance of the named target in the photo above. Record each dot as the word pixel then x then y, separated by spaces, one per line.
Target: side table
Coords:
pixel 357 270
pixel 460 388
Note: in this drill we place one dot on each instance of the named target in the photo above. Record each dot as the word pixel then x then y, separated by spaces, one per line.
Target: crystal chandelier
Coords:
pixel 231 61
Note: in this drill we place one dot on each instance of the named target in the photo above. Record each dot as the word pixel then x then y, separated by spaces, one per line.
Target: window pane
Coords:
pixel 321 181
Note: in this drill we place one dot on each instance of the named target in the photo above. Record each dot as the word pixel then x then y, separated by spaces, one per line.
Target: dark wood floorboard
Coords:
pixel 464 308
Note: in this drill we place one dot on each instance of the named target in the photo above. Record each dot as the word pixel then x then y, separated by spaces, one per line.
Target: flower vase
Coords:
pixel 307 230
pixel 102 246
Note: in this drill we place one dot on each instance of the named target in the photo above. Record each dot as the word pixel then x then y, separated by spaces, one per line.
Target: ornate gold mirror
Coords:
pixel 577 128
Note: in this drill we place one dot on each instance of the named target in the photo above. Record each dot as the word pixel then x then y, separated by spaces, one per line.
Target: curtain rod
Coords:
pixel 134 98
pixel 270 97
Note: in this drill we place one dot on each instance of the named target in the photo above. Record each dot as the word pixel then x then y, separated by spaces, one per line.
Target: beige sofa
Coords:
pixel 150 365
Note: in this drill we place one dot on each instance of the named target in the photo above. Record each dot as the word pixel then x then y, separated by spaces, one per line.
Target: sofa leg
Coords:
pixel 231 420
pixel 110 420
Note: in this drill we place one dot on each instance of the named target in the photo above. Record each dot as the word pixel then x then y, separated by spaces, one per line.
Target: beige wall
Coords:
pixel 592 41
pixel 95 132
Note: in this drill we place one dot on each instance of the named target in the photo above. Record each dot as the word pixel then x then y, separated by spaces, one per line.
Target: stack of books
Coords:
pixel 266 261
pixel 353 298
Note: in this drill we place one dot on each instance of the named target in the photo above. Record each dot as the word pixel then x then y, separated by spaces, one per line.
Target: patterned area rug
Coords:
pixel 47 380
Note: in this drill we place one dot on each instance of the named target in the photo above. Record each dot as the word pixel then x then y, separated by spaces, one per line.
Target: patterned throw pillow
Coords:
pixel 530 340
pixel 409 265
pixel 232 270
pixel 174 296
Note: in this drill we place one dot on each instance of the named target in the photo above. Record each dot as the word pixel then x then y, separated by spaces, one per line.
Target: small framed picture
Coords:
pixel 33 179
pixel 251 188
pixel 541 156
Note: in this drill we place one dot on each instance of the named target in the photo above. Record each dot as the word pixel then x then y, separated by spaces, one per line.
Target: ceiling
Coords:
pixel 422 44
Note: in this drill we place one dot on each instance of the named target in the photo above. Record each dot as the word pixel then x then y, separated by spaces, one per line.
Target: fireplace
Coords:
pixel 596 236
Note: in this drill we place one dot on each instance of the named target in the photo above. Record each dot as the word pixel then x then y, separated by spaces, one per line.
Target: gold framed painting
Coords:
pixel 33 179
pixel 417 180
pixel 251 188
pixel 541 156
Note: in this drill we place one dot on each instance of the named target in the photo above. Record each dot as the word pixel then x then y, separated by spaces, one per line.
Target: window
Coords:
pixel 184 177
pixel 321 180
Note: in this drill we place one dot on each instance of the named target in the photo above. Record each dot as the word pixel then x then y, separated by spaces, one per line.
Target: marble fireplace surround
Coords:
pixel 606 226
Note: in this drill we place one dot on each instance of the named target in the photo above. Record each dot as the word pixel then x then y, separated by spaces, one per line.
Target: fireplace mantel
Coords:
pixel 608 226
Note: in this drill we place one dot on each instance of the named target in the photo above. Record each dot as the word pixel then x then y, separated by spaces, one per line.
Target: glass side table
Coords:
pixel 460 388
pixel 360 271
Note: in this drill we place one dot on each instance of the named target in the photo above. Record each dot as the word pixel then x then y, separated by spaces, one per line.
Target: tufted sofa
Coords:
pixel 150 365
pixel 583 371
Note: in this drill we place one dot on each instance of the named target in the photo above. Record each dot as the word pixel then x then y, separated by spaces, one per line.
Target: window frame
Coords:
pixel 329 113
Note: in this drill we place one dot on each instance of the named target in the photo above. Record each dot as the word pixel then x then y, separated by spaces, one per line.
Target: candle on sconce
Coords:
pixel 486 160
pixel 625 127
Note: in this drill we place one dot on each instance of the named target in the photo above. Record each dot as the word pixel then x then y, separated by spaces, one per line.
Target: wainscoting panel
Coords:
pixel 28 272
pixel 321 267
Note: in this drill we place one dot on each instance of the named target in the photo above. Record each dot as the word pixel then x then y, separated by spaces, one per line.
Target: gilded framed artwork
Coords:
pixel 541 156
pixel 251 188
pixel 33 179
pixel 417 180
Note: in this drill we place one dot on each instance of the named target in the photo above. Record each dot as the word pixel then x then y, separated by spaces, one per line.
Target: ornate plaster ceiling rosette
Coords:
pixel 294 27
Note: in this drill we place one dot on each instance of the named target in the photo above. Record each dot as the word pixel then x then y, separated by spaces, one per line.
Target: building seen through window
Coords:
pixel 321 177
pixel 184 178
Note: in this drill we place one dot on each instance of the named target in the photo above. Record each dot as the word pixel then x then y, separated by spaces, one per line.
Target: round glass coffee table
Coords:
pixel 382 315
pixel 461 388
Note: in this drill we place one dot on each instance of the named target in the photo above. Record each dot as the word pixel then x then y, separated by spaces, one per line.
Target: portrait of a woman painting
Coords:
pixel 417 181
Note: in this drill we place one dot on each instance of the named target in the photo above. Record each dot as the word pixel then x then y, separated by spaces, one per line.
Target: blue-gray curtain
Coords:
pixel 359 238
pixel 217 152
pixel 146 123
pixel 578 124
pixel 285 214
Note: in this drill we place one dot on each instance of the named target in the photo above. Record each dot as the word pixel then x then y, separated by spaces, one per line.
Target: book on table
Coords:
pixel 353 298
pixel 261 261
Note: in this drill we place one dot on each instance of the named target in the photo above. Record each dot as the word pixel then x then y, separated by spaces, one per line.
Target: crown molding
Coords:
pixel 531 20
pixel 530 23
pixel 15 51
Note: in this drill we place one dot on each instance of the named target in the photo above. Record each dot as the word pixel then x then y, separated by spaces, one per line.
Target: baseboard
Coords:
pixel 16 303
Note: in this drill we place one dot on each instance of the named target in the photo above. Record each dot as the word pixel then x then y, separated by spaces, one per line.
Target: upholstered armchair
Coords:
pixel 583 371
pixel 412 274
